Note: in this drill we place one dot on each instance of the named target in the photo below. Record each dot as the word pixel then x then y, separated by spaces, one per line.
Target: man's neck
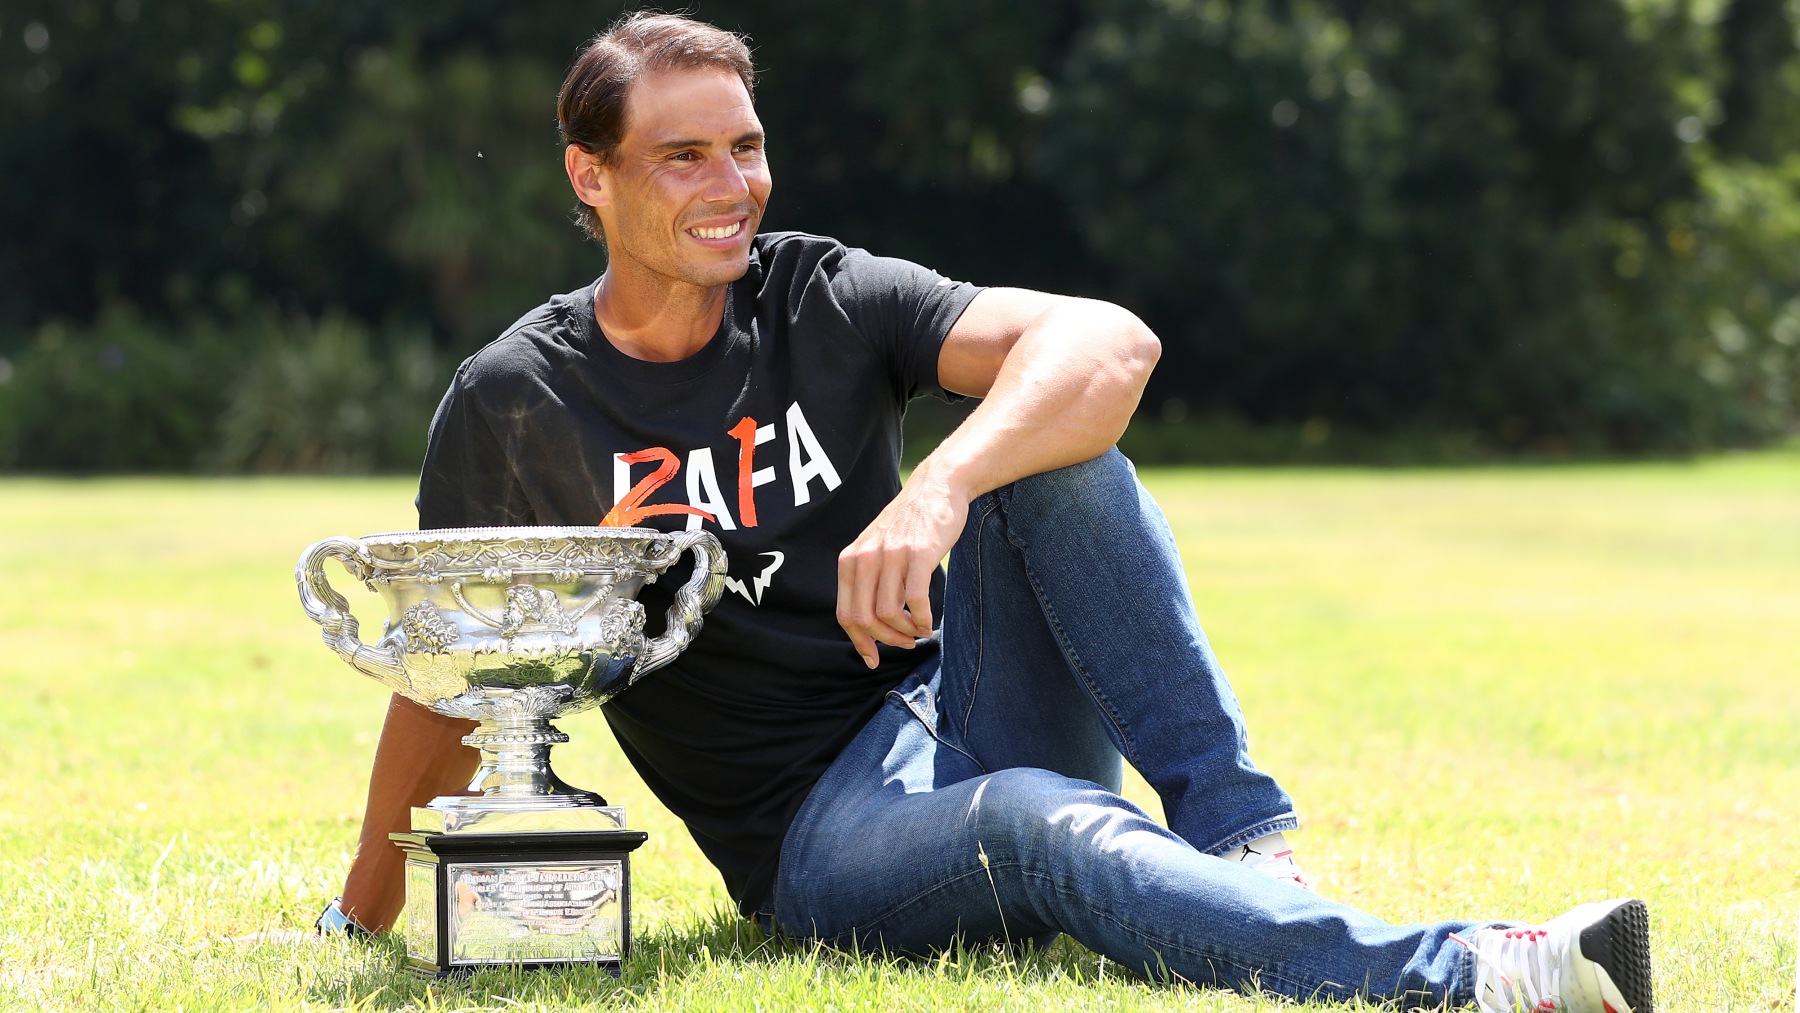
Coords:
pixel 654 317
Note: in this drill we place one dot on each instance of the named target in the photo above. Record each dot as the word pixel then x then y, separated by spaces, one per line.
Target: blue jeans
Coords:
pixel 981 802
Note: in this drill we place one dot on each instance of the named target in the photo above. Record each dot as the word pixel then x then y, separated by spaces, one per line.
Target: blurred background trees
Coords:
pixel 257 234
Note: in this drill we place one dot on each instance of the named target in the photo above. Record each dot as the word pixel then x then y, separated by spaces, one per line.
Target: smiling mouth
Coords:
pixel 721 232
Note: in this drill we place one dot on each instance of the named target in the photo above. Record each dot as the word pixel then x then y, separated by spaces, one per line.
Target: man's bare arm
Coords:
pixel 420 756
pixel 1060 378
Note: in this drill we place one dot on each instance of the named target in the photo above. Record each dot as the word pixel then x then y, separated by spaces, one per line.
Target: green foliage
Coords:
pixel 1549 226
pixel 389 159
pixel 325 398
pixel 912 130
pixel 121 396
pixel 1499 217
pixel 268 395
pixel 1226 439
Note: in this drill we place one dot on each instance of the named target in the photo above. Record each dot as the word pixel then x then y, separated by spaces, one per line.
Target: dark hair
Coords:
pixel 590 109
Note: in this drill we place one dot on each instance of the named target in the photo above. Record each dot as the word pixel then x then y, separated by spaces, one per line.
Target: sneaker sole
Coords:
pixel 1620 944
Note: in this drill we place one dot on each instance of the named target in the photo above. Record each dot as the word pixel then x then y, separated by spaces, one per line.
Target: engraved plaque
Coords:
pixel 531 912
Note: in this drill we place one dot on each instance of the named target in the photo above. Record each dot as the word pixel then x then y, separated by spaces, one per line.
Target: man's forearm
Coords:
pixel 420 756
pixel 1064 394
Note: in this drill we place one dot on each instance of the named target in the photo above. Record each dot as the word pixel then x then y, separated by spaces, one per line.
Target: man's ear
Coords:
pixel 587 175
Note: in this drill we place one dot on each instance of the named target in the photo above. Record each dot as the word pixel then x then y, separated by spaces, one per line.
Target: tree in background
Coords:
pixel 1500 216
pixel 1548 223
pixel 392 160
pixel 401 160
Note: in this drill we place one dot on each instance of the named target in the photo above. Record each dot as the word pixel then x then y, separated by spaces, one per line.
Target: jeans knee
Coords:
pixel 1016 812
pixel 1007 802
pixel 1095 487
pixel 1100 474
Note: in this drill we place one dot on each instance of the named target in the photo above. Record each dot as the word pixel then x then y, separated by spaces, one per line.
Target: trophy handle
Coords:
pixel 329 609
pixel 700 593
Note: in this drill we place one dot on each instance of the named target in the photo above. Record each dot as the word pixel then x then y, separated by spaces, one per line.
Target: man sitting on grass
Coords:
pixel 858 773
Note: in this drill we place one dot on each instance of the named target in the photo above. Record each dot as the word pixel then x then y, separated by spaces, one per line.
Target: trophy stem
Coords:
pixel 515 759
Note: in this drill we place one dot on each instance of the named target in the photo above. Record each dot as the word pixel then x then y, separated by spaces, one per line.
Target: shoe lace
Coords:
pixel 1518 967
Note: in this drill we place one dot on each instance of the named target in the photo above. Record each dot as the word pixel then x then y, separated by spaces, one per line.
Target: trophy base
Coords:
pixel 556 899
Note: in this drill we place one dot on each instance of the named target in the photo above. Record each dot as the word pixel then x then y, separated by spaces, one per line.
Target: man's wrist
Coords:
pixel 940 474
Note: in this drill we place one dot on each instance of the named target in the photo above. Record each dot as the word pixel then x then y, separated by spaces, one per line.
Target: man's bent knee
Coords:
pixel 1099 486
pixel 1013 811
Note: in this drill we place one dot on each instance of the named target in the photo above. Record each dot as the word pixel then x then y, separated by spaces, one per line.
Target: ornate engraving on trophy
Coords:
pixel 424 625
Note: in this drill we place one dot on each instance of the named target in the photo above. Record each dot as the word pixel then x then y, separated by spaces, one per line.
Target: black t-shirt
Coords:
pixel 785 431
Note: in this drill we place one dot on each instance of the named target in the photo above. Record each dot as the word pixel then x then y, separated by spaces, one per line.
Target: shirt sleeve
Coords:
pixel 467 479
pixel 907 310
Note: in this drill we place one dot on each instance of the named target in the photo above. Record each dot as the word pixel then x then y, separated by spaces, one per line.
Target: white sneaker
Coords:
pixel 1272 857
pixel 333 921
pixel 1594 959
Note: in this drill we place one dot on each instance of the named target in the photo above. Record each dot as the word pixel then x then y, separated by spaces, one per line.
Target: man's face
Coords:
pixel 687 190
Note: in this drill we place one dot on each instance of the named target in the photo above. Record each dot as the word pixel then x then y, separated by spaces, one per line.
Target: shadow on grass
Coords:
pixel 667 961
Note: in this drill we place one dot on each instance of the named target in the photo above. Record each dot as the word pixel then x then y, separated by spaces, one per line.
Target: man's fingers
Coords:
pixel 859 576
pixel 866 632
pixel 880 596
pixel 865 648
pixel 890 594
pixel 918 597
pixel 884 577
pixel 890 622
pixel 892 637
pixel 846 589
pixel 849 561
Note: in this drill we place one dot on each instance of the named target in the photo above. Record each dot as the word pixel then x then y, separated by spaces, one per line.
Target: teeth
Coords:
pixel 722 232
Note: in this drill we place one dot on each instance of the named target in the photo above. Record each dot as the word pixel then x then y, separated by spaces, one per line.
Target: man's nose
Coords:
pixel 726 182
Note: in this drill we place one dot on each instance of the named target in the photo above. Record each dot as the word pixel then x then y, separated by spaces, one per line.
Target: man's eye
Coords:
pixel 684 156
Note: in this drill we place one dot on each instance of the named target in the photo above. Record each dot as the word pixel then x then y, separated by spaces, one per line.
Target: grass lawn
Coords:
pixel 1494 693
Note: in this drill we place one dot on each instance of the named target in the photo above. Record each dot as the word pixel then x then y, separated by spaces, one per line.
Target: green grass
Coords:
pixel 1494 693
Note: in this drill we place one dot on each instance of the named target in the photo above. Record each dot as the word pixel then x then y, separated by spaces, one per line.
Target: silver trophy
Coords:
pixel 511 627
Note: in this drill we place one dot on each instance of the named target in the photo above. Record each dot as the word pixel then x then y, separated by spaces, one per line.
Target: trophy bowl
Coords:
pixel 511 627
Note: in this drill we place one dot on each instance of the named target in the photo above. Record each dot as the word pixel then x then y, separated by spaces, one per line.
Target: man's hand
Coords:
pixel 884 577
pixel 1058 378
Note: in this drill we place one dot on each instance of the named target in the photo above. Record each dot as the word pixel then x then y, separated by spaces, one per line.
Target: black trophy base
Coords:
pixel 526 899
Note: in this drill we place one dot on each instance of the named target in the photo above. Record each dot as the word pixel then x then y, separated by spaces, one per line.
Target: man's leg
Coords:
pixel 927 828
pixel 907 843
pixel 1068 629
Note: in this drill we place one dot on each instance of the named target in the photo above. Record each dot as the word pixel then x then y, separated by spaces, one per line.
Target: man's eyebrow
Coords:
pixel 747 137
